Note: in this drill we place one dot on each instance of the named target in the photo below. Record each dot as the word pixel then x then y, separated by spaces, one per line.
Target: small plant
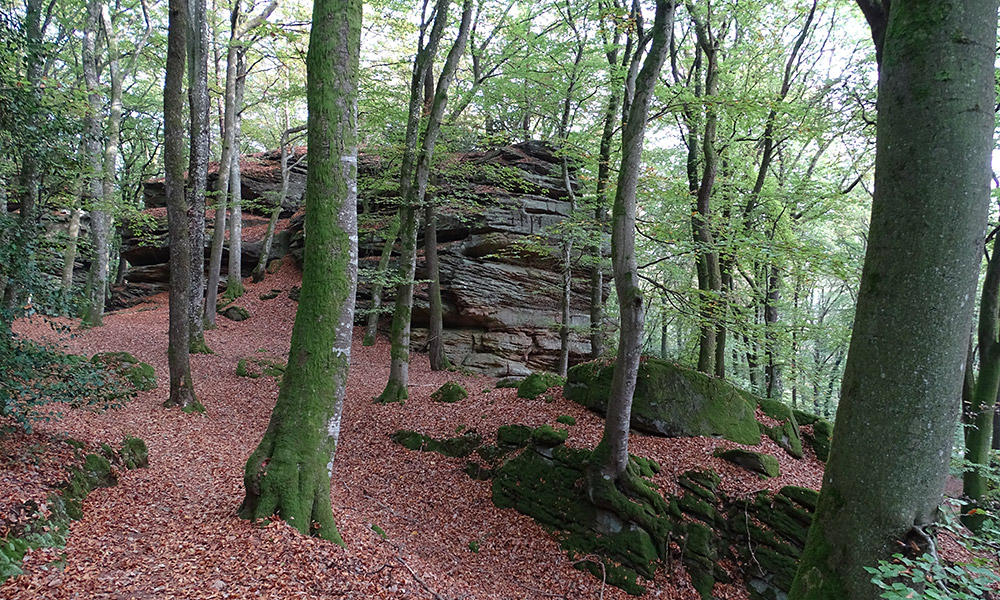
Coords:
pixel 474 546
pixel 381 532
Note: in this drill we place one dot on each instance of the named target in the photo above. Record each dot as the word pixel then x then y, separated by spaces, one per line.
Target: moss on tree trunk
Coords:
pixel 289 473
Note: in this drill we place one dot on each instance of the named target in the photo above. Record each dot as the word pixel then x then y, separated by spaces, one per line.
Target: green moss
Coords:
pixel 821 439
pixel 455 447
pixel 141 375
pixel 394 392
pixel 548 437
pixel 514 435
pixel 270 295
pixel 670 400
pixel 449 392
pixel 254 367
pixel 804 418
pixel 804 497
pixel 759 462
pixel 194 408
pixel 536 384
pixel 566 420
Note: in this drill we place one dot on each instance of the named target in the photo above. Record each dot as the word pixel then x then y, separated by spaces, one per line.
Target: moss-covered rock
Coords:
pixel 254 367
pixel 235 313
pixel 566 420
pixel 517 436
pixel 759 462
pixel 536 384
pixel 821 438
pixel 509 382
pixel 449 392
pixel 786 432
pixel 671 400
pixel 141 375
pixel 455 447
pixel 548 437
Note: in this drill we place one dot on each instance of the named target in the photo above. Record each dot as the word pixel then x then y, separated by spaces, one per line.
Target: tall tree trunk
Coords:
pixel 707 255
pixel 374 312
pixel 234 275
pixel 178 346
pixel 978 415
pixel 69 254
pixel 623 261
pixel 93 199
pixel 289 472
pixel 197 58
pixel 395 388
pixel 222 176
pixel 885 476
pixel 774 386
pixel 435 328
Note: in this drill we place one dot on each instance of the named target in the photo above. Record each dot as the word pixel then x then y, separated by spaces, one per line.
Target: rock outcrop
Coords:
pixel 499 213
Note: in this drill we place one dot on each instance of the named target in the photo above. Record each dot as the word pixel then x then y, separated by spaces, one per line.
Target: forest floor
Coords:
pixel 170 530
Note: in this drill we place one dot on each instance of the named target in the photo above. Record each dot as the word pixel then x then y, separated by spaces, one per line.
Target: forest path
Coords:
pixel 170 530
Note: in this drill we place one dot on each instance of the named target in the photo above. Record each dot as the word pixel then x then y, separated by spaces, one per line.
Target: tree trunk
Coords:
pixel 978 414
pixel 395 389
pixel 774 386
pixel 222 177
pixel 178 345
pixel 289 472
pixel 198 157
pixel 265 254
pixel 435 329
pixel 93 201
pixel 69 255
pixel 615 439
pixel 707 255
pixel 374 312
pixel 885 476
pixel 234 275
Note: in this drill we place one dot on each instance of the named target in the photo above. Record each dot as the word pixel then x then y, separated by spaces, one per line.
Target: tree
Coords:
pixel 197 58
pixel 93 198
pixel 289 472
pixel 178 350
pixel 413 184
pixel 623 260
pixel 885 475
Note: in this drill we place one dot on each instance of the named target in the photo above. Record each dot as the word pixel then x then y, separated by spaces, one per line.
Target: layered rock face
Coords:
pixel 498 232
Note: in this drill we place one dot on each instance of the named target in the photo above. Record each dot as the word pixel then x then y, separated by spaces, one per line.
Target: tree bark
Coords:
pixel 289 472
pixel 374 312
pixel 178 346
pixel 885 476
pixel 435 328
pixel 261 268
pixel 395 389
pixel 616 429
pixel 93 199
pixel 199 154
pixel 978 415
pixel 234 275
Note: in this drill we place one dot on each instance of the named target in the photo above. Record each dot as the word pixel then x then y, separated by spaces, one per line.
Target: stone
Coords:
pixel 758 462
pixel 449 392
pixel 235 313
pixel 670 400
pixel 536 384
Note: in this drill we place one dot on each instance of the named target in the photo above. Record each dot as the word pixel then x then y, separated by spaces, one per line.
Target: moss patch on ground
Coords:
pixel 536 384
pixel 141 375
pixel 51 529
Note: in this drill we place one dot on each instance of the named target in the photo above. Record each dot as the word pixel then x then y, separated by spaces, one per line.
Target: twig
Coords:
pixel 604 572
pixel 538 591
pixel 419 580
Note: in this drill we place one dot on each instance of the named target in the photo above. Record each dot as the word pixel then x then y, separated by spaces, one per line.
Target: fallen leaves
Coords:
pixel 170 531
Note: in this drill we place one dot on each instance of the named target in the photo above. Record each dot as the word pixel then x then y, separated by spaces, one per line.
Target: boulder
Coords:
pixel 671 400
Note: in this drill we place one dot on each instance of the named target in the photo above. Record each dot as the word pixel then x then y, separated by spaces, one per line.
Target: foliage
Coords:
pixel 927 577
pixel 38 375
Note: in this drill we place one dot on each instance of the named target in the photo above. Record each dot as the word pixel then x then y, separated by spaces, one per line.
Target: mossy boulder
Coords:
pixel 758 462
pixel 671 400
pixel 511 381
pixel 449 392
pixel 236 313
pixel 455 447
pixel 786 432
pixel 255 367
pixel 821 438
pixel 141 375
pixel 536 384
pixel 548 437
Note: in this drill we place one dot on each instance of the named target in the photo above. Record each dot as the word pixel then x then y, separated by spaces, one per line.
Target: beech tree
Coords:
pixel 899 397
pixel 178 346
pixel 289 472
pixel 623 261
pixel 415 174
